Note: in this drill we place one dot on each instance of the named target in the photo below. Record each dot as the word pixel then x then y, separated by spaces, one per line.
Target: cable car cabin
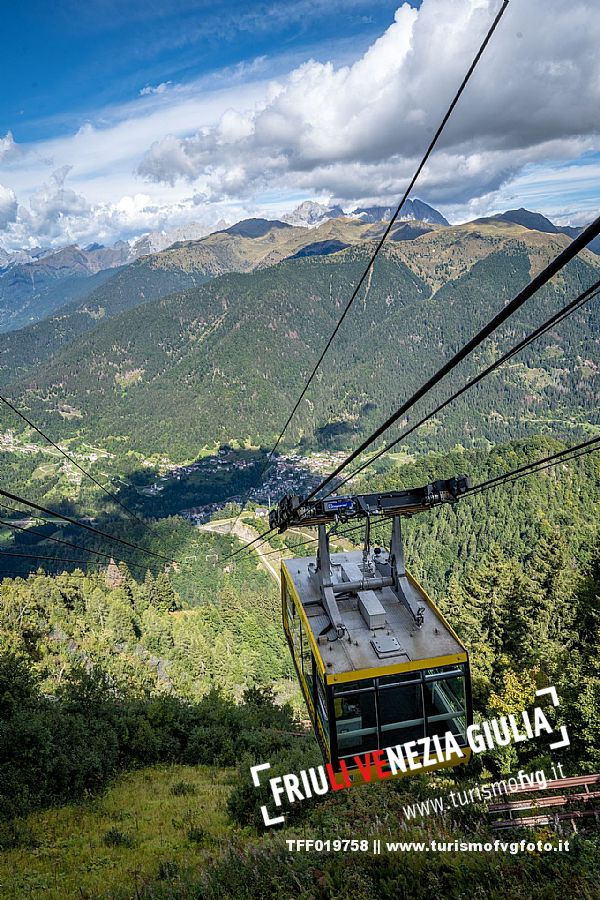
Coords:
pixel 385 682
pixel 377 662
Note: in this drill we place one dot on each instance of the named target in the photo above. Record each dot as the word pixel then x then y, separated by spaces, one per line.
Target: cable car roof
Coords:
pixel 393 641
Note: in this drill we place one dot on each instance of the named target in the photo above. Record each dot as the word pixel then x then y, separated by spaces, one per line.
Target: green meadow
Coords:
pixel 148 825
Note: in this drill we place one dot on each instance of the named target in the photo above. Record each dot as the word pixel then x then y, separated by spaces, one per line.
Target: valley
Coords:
pixel 133 380
pixel 152 380
pixel 170 675
pixel 300 450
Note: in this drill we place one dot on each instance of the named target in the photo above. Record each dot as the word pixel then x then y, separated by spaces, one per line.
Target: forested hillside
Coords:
pixel 299 473
pixel 137 283
pixel 108 668
pixel 241 248
pixel 443 544
pixel 158 378
pixel 208 619
pixel 41 301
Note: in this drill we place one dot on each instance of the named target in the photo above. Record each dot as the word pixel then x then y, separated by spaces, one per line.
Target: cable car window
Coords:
pixel 351 687
pixel 401 716
pixel 296 639
pixel 356 722
pixel 291 608
pixel 445 706
pixel 443 672
pixel 451 688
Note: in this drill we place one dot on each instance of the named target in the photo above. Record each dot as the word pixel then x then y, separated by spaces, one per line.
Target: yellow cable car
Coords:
pixel 377 663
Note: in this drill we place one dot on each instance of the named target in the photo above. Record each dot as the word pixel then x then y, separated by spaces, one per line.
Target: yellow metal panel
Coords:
pixel 285 581
pixel 415 665
pixel 285 577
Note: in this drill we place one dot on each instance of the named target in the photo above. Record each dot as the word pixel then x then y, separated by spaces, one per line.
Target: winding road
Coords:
pixel 269 557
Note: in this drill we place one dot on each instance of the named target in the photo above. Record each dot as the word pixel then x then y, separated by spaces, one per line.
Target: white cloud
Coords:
pixel 359 129
pixel 52 210
pixel 8 206
pixel 57 215
pixel 167 161
pixel 103 204
pixel 237 143
pixel 158 89
pixel 8 148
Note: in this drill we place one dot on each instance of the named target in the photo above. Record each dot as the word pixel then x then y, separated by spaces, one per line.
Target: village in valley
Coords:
pixel 285 474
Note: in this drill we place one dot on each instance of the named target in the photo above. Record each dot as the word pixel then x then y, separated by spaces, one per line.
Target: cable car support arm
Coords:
pixel 382 571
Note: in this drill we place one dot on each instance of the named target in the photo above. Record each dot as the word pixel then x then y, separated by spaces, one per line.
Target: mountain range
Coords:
pixel 209 341
pixel 311 214
pixel 36 283
pixel 538 222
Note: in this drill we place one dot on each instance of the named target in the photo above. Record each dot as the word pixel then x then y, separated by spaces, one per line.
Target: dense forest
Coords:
pixel 443 544
pixel 102 672
pixel 508 566
pixel 156 379
pixel 28 297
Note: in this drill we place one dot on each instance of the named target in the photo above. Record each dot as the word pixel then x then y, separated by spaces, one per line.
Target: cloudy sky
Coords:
pixel 125 116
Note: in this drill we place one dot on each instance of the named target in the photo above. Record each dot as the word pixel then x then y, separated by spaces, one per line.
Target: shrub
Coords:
pixel 167 870
pixel 196 834
pixel 17 836
pixel 115 838
pixel 183 789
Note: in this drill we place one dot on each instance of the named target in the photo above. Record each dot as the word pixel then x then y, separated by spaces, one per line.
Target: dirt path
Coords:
pixel 269 559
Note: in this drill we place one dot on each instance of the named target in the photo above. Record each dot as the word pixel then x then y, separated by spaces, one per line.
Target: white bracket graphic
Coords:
pixel 254 770
pixel 565 742
pixel 549 690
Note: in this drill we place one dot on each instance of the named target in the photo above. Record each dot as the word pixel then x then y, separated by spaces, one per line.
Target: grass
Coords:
pixel 45 470
pixel 150 824
pixel 401 458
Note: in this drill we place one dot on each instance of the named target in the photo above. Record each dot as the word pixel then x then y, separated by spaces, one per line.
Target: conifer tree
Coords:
pixel 548 615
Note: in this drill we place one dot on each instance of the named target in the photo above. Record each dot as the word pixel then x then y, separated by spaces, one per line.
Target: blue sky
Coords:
pixel 68 60
pixel 129 117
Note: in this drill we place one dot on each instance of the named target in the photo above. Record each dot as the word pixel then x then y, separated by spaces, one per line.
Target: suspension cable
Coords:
pixel 110 537
pixel 582 449
pixel 558 263
pixel 392 221
pixel 563 313
pixel 74 462
pixel 385 235
pixel 48 537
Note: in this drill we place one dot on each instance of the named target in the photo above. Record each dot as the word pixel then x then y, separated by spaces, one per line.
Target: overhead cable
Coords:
pixel 542 278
